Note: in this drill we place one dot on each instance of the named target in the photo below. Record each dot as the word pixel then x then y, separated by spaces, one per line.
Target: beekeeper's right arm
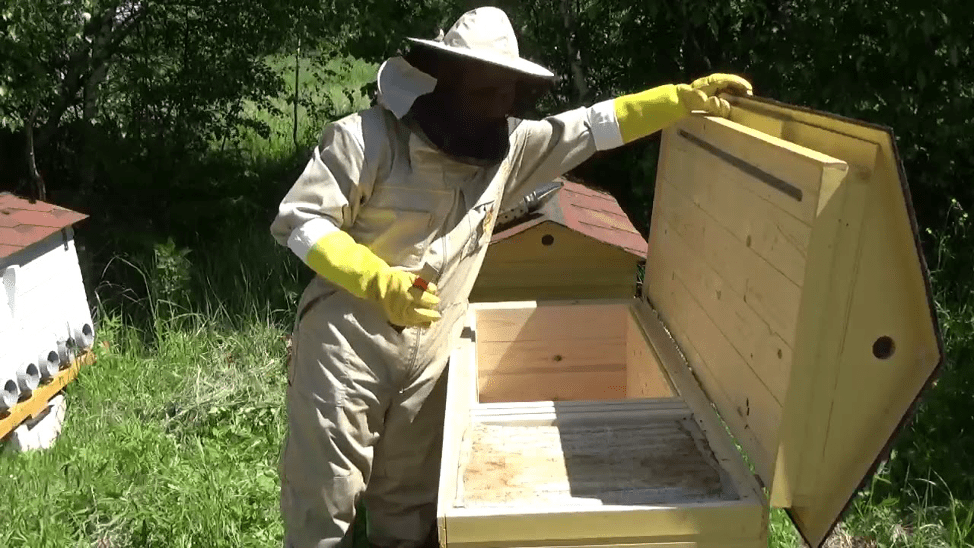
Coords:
pixel 323 201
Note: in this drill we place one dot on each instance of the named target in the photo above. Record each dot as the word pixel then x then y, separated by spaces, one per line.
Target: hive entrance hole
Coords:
pixel 883 347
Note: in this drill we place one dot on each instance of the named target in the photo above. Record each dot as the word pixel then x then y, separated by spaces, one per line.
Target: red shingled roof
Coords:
pixel 23 223
pixel 592 213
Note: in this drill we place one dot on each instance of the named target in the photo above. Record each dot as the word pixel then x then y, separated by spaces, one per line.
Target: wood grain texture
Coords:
pixel 798 166
pixel 847 403
pixel 556 354
pixel 772 233
pixel 596 382
pixel 573 266
pixel 644 375
pixel 524 321
pixel 640 462
pixel 765 289
pixel 582 421
pixel 765 352
pixel 733 311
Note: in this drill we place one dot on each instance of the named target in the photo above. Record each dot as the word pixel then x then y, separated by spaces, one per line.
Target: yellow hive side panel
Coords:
pixel 826 297
pixel 725 288
pixel 840 416
pixel 621 524
pixel 665 542
pixel 860 400
pixel 461 395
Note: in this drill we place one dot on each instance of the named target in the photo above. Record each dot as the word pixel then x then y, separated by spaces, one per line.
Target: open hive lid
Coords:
pixel 785 262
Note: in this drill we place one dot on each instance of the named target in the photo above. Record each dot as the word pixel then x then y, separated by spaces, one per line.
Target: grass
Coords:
pixel 172 437
pixel 173 445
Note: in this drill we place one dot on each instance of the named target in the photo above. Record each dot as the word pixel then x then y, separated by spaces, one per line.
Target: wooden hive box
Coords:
pixel 785 331
pixel 45 320
pixel 578 244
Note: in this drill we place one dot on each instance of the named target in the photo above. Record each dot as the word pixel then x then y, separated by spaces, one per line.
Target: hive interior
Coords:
pixel 574 409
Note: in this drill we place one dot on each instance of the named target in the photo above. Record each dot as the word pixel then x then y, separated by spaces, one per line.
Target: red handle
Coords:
pixel 421 283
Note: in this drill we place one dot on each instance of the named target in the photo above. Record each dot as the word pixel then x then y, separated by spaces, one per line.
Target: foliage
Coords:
pixel 178 125
pixel 105 83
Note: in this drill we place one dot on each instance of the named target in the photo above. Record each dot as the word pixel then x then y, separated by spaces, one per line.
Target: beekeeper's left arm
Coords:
pixel 323 203
pixel 548 148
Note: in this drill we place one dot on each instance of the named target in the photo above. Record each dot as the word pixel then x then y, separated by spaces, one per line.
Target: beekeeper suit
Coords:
pixel 406 188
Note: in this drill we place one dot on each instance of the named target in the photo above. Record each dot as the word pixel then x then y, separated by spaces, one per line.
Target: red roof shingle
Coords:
pixel 589 212
pixel 23 223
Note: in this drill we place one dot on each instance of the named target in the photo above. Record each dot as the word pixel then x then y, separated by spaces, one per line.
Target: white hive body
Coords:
pixel 45 320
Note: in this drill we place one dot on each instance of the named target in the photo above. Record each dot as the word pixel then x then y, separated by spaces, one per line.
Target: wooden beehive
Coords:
pixel 579 244
pixel 45 321
pixel 786 309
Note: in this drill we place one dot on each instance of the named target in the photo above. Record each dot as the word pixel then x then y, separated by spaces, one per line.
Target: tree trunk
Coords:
pixel 574 56
pixel 297 90
pixel 36 180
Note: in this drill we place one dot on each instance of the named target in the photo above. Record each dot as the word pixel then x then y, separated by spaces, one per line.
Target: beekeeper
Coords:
pixel 411 187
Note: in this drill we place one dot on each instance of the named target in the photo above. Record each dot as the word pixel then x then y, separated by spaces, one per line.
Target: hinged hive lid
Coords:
pixel 784 259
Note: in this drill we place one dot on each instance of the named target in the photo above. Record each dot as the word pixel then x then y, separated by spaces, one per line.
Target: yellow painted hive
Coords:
pixel 785 331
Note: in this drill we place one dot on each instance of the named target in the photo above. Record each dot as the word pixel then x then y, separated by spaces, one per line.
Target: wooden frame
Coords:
pixel 672 394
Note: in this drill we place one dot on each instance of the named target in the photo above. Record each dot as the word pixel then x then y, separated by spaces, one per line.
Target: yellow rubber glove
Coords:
pixel 338 258
pixel 644 113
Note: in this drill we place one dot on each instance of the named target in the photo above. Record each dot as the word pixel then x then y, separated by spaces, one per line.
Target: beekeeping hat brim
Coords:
pixel 484 34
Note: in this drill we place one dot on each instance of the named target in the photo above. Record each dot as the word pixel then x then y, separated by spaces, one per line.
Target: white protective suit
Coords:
pixel 352 375
pixel 366 402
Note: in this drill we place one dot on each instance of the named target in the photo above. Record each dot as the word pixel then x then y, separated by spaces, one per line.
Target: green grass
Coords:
pixel 172 437
pixel 173 444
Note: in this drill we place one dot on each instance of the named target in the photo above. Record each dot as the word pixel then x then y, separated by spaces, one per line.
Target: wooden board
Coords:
pixel 561 351
pixel 37 402
pixel 607 382
pixel 555 354
pixel 754 338
pixel 644 375
pixel 461 395
pixel 871 282
pixel 757 541
pixel 599 524
pixel 772 233
pixel 525 321
pixel 729 291
pixel 574 266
